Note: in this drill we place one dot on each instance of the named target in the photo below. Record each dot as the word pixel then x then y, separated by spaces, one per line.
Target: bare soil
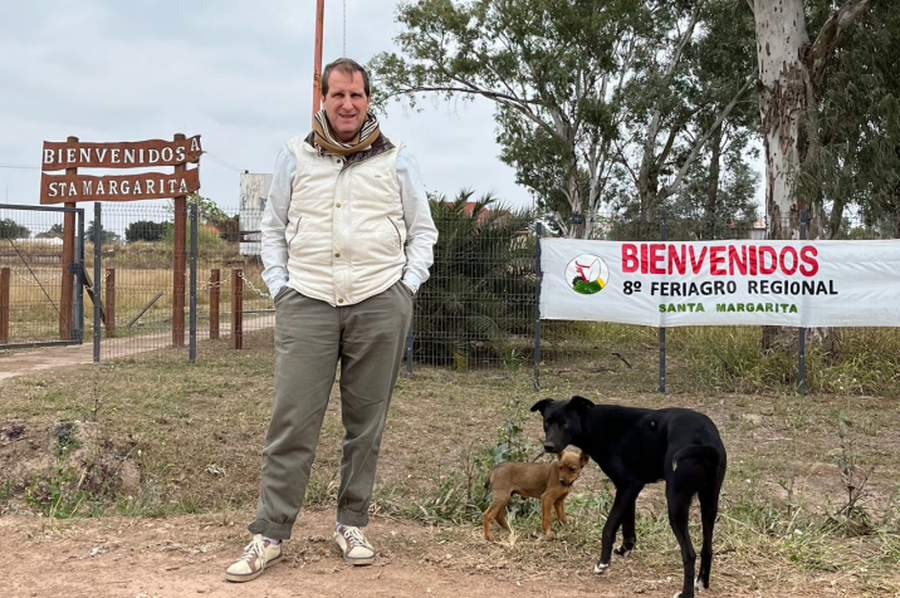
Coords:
pixel 781 447
pixel 186 556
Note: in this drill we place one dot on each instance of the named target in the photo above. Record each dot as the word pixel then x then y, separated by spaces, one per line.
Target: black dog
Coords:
pixel 635 447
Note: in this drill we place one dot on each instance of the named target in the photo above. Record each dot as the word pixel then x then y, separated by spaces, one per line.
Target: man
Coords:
pixel 347 238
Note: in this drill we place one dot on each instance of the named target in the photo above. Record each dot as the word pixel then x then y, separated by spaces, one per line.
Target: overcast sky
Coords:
pixel 238 73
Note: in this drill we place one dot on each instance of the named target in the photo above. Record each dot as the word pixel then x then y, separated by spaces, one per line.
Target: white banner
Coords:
pixel 779 283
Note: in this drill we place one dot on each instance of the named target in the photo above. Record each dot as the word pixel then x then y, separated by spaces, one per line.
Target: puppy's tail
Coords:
pixel 487 485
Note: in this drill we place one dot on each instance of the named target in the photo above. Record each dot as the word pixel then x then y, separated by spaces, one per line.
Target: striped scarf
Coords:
pixel 324 139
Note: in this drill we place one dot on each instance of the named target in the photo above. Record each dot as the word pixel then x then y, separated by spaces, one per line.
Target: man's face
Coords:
pixel 346 104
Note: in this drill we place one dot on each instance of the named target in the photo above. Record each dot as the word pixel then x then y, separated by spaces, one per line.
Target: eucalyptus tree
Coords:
pixel 592 97
pixel 553 69
pixel 792 69
pixel 858 162
pixel 689 117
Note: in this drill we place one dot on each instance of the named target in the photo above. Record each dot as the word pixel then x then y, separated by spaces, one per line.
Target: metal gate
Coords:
pixel 42 276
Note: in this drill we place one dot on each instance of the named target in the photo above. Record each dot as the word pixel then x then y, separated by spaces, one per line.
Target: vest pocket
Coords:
pixel 399 238
pixel 294 236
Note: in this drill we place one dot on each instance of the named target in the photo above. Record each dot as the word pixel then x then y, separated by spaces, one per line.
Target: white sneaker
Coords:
pixel 258 555
pixel 352 542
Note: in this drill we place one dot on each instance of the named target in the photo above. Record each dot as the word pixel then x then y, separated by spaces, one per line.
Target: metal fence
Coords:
pixel 477 309
pixel 40 298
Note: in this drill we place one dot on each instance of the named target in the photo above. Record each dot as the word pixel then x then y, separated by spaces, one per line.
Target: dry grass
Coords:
pixel 195 433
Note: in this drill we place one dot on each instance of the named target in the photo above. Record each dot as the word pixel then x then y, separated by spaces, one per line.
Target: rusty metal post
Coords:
pixel 317 68
pixel 237 308
pixel 110 321
pixel 67 286
pixel 215 286
pixel 180 261
pixel 5 276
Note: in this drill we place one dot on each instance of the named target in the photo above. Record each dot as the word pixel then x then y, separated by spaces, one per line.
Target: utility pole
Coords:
pixel 317 69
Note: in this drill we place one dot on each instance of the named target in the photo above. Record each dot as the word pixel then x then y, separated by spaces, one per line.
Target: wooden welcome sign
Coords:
pixel 73 186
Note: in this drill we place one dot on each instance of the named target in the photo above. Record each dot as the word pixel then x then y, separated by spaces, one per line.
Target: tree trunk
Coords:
pixel 784 103
pixel 712 192
pixel 787 105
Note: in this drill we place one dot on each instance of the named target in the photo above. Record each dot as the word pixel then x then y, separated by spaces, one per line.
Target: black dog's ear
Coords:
pixel 580 404
pixel 541 405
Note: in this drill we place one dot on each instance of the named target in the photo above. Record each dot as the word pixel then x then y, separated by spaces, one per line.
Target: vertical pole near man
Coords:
pixel 179 265
pixel 317 65
pixel 66 287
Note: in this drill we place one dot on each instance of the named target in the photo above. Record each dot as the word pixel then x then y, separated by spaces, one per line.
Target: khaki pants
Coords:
pixel 311 337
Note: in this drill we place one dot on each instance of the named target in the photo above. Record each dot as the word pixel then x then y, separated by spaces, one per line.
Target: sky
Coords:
pixel 237 73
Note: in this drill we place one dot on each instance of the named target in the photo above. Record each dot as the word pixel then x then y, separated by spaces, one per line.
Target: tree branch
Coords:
pixel 698 145
pixel 830 35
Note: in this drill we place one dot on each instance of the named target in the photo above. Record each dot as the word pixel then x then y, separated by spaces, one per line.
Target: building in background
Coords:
pixel 254 192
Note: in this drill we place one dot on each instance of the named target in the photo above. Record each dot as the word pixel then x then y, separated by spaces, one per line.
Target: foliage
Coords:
pixel 9 229
pixel 146 230
pixel 481 285
pixel 106 236
pixel 859 125
pixel 54 232
pixel 596 102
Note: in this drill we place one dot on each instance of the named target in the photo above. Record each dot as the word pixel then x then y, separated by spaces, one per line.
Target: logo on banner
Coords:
pixel 588 274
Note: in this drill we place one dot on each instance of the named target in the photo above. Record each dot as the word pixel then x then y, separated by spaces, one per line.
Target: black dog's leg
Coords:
pixel 709 508
pixel 623 502
pixel 629 536
pixel 679 501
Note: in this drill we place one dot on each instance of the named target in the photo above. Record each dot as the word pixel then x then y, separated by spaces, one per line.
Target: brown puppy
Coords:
pixel 550 482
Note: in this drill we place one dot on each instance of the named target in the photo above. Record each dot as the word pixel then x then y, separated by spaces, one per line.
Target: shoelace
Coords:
pixel 355 538
pixel 253 550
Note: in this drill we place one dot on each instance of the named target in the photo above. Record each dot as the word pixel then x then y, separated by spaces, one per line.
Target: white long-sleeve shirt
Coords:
pixel 420 229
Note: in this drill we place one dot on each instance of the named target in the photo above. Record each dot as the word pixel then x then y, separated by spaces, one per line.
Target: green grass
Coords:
pixel 195 433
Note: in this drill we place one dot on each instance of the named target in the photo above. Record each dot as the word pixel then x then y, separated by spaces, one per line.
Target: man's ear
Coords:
pixel 580 404
pixel 541 405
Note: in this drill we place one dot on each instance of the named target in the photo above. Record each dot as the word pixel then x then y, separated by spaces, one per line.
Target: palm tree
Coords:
pixel 481 291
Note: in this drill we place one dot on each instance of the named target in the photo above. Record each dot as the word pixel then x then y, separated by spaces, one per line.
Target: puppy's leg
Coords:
pixel 501 518
pixel 629 535
pixel 546 513
pixel 495 511
pixel 679 503
pixel 625 497
pixel 559 505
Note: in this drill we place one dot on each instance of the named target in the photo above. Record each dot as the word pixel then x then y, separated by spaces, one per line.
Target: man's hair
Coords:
pixel 348 67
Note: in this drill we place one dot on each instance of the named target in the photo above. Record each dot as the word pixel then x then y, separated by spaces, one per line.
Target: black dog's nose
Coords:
pixel 550 448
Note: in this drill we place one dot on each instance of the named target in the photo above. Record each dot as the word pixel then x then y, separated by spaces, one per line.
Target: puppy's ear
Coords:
pixel 580 404
pixel 541 405
pixel 559 455
pixel 584 458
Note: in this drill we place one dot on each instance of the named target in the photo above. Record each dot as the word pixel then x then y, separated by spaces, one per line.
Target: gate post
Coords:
pixel 237 308
pixel 4 305
pixel 67 289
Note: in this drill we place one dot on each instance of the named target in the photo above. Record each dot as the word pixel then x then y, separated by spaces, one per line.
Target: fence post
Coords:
pixel 237 308
pixel 67 287
pixel 110 321
pixel 78 291
pixel 5 277
pixel 215 286
pixel 178 265
pixel 98 252
pixel 662 329
pixel 409 342
pixel 192 351
pixel 801 349
pixel 538 277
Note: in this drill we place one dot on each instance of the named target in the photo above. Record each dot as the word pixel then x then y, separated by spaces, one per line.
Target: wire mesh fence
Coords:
pixel 477 310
